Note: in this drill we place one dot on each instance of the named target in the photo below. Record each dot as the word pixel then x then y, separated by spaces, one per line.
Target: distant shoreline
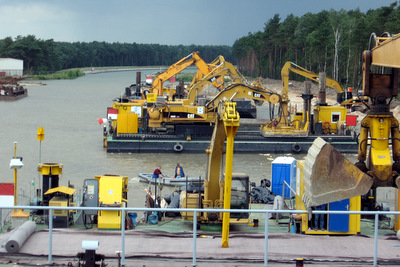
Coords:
pixel 103 70
pixel 117 69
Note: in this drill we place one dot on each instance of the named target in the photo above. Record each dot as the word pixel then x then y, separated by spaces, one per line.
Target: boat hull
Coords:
pixel 13 97
pixel 171 144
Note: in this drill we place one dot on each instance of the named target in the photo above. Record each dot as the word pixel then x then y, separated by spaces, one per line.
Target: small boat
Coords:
pixel 10 89
pixel 168 180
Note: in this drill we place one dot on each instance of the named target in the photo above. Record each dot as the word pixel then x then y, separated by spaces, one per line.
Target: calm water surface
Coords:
pixel 68 111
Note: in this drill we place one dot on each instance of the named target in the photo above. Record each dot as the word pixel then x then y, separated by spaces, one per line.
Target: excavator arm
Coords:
pixel 193 58
pixel 245 91
pixel 214 65
pixel 216 75
pixel 157 86
pixel 290 66
pixel 328 175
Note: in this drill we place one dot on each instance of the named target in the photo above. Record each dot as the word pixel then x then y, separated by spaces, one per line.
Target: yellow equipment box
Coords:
pixel 113 191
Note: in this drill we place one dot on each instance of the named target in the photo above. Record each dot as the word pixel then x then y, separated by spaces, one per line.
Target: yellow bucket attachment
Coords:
pixel 329 176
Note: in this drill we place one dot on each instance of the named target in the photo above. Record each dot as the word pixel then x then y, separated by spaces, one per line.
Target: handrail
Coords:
pixel 266 212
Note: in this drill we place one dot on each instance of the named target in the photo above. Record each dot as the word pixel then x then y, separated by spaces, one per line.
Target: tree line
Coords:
pixel 44 56
pixel 329 41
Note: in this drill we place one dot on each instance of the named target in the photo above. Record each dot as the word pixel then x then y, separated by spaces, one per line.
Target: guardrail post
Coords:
pixel 266 240
pixel 194 237
pixel 122 237
pixel 50 259
pixel 376 239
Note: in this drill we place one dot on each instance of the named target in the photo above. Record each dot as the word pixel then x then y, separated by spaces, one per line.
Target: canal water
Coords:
pixel 68 111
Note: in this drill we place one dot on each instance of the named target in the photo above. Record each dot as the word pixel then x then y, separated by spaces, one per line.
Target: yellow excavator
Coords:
pixel 162 115
pixel 341 94
pixel 328 175
pixel 194 58
pixel 222 70
pixel 214 65
pixel 332 118
pixel 222 189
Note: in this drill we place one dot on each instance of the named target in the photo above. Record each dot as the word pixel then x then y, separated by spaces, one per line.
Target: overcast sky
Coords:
pixel 171 22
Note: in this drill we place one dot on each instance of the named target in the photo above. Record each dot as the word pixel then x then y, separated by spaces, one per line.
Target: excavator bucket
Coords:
pixel 329 176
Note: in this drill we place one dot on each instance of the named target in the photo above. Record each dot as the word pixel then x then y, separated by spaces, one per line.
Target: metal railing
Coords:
pixel 195 212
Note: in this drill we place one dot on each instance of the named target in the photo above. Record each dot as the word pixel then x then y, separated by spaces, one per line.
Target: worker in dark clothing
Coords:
pixel 157 173
pixel 179 171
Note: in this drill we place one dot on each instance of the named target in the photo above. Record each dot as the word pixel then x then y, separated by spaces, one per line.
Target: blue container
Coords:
pixel 283 169
pixel 133 216
pixel 153 218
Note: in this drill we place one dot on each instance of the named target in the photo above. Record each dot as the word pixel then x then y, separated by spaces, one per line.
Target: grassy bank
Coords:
pixel 59 75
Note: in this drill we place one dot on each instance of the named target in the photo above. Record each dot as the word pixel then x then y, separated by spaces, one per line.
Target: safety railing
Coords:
pixel 195 214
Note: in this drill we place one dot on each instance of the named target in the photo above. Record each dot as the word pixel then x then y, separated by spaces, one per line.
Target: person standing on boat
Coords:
pixel 178 171
pixel 157 173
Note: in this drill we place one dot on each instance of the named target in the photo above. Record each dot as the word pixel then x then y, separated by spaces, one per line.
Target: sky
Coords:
pixel 167 22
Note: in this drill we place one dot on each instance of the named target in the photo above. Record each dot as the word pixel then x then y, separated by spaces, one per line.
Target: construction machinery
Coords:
pixel 194 58
pixel 62 196
pixel 137 92
pixel 183 116
pixel 344 97
pixel 220 71
pixel 317 120
pixel 328 175
pixel 180 118
pixel 105 191
pixel 221 189
pixel 334 224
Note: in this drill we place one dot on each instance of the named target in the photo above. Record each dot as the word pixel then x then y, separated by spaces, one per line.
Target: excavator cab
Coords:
pixel 329 176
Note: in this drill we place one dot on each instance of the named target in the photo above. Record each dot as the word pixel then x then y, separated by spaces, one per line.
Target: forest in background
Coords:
pixel 46 56
pixel 328 41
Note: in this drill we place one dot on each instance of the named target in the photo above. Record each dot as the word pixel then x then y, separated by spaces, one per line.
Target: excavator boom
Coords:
pixel 290 66
pixel 193 58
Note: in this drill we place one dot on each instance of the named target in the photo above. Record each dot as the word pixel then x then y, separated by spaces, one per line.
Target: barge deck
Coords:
pixel 155 245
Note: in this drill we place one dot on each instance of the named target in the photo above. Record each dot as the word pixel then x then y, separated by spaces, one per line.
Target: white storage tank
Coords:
pixel 283 169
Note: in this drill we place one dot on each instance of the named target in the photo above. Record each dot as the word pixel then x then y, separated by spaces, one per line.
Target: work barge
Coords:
pixel 150 118
pixel 10 89
pixel 244 143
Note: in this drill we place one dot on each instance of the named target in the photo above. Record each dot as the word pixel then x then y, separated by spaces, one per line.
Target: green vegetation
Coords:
pixel 186 77
pixel 330 41
pixel 65 74
pixel 47 56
